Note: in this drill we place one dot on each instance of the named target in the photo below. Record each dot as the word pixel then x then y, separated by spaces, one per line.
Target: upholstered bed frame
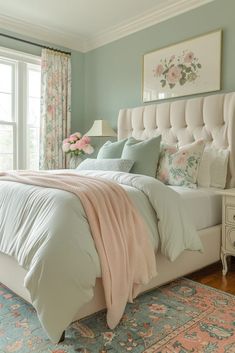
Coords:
pixel 211 118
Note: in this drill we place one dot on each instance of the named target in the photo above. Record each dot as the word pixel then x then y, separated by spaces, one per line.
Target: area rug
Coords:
pixel 181 317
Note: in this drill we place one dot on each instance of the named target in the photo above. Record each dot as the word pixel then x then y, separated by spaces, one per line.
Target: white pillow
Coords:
pixel 213 168
pixel 114 164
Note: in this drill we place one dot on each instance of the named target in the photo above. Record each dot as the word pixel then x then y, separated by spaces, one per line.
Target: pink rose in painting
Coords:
pixel 66 141
pixel 159 70
pixel 189 57
pixel 88 149
pixel 174 75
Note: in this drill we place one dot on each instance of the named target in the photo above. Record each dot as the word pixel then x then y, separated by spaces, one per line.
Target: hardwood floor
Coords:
pixel 212 276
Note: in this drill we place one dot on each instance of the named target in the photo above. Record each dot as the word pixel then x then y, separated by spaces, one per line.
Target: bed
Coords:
pixel 184 121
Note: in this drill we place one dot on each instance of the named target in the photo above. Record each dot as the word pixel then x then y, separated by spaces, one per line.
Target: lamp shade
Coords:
pixel 101 128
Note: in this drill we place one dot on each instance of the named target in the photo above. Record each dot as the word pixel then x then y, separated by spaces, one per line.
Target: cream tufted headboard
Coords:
pixel 211 118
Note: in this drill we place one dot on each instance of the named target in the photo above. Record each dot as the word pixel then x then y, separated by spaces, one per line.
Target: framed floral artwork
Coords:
pixel 189 67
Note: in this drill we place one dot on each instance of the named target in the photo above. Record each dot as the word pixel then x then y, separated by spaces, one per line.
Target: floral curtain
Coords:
pixel 55 108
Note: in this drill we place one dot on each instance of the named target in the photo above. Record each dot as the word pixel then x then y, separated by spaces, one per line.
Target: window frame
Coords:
pixel 20 62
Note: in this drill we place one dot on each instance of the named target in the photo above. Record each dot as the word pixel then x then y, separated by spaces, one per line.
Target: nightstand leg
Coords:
pixel 224 263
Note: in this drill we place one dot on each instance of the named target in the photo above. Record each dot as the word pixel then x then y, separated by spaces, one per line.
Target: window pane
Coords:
pixel 6 139
pixel 34 111
pixel 33 118
pixel 33 148
pixel 34 83
pixel 5 78
pixel 5 107
pixel 6 147
pixel 6 161
pixel 33 161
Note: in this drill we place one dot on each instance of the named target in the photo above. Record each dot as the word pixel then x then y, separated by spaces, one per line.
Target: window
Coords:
pixel 20 79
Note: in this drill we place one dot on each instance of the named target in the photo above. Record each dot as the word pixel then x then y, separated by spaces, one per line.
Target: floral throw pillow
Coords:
pixel 179 167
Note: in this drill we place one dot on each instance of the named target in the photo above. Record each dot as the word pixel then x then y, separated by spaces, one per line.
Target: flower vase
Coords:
pixel 74 162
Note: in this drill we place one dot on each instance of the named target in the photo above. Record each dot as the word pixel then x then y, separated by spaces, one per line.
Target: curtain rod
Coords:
pixel 35 44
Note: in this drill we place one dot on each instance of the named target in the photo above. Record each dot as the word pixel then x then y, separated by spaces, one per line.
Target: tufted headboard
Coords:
pixel 211 118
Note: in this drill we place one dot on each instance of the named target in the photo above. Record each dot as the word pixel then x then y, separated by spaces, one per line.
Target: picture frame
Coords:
pixel 186 68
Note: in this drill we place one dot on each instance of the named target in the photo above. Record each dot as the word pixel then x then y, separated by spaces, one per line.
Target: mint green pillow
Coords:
pixel 111 149
pixel 144 153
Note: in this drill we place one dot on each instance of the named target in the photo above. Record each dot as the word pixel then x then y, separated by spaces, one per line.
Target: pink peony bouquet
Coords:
pixel 77 145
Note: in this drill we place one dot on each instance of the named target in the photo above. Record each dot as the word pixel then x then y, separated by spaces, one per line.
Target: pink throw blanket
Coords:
pixel 121 237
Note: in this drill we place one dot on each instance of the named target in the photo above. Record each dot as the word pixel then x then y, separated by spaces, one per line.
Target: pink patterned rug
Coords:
pixel 181 317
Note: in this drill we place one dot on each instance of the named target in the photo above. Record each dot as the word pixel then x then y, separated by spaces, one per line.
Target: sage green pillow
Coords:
pixel 111 149
pixel 144 153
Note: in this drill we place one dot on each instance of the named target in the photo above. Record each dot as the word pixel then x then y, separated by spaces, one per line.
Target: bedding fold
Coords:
pixel 176 230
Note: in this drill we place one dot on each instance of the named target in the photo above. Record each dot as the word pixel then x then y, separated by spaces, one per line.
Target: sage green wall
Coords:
pixel 77 63
pixel 109 78
pixel 113 72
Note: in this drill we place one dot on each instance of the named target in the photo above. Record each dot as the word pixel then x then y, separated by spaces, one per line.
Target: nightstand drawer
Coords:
pixel 230 238
pixel 230 201
pixel 230 214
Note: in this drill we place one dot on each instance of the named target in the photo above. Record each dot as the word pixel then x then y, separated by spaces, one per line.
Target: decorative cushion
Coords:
pixel 213 168
pixel 111 149
pixel 144 153
pixel 179 167
pixel 117 165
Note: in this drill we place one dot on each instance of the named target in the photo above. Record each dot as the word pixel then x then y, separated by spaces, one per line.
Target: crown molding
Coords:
pixel 85 44
pixel 135 24
pixel 43 33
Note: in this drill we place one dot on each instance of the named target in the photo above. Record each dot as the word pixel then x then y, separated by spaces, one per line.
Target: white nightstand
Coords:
pixel 228 227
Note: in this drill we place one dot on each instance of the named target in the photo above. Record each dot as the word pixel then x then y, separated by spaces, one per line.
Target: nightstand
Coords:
pixel 228 227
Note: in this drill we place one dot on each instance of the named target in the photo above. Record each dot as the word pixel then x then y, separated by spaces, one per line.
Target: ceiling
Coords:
pixel 87 24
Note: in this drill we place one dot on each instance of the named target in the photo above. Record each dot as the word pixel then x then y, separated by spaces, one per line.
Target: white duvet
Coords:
pixel 47 232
